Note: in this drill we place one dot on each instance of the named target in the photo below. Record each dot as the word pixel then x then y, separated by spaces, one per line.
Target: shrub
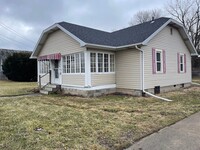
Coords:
pixel 18 67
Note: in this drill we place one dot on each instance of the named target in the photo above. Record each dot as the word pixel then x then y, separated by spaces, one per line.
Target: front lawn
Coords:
pixel 16 88
pixel 109 122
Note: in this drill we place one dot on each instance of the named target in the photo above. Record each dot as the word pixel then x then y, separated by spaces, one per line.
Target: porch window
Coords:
pixel 64 64
pixel 93 62
pixel 106 68
pixel 77 62
pixel 82 62
pixel 43 66
pixel 112 63
pixel 74 63
pixel 102 62
pixel 68 64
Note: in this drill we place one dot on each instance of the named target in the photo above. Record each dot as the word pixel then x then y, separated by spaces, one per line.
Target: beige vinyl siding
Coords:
pixel 60 42
pixel 73 79
pixel 128 69
pixel 102 79
pixel 45 79
pixel 172 44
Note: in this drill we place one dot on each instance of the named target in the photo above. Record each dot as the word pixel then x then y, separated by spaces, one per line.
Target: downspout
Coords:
pixel 150 94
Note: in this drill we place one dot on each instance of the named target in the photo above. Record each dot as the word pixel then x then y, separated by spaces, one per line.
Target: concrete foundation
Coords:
pixel 89 92
pixel 170 88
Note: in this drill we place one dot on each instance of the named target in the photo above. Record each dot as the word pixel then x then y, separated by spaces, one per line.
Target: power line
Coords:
pixel 9 39
pixel 15 32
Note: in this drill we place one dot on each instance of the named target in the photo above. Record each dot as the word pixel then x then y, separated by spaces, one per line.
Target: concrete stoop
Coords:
pixel 50 88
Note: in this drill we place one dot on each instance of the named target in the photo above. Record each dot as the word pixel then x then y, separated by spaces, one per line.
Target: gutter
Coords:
pixel 150 94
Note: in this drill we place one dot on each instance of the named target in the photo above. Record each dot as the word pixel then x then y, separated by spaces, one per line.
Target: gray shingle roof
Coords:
pixel 131 35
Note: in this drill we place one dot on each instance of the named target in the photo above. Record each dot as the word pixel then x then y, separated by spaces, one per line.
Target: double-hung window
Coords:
pixel 181 63
pixel 159 61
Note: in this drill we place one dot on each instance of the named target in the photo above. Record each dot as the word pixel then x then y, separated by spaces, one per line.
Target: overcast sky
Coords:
pixel 22 21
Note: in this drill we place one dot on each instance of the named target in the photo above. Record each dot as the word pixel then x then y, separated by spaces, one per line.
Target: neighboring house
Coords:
pixel 4 53
pixel 154 56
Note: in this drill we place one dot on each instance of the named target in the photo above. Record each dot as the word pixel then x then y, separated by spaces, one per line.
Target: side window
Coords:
pixel 181 63
pixel 159 62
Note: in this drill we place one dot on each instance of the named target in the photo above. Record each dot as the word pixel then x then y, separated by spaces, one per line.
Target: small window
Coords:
pixel 181 63
pixel 159 62
pixel 171 31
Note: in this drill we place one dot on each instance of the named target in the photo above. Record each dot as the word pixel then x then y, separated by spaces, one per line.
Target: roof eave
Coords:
pixel 115 48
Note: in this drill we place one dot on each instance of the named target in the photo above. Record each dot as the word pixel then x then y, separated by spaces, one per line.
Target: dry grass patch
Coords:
pixel 196 79
pixel 15 88
pixel 109 122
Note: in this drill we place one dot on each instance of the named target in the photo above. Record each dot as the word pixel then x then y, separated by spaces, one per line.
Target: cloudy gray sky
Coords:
pixel 22 21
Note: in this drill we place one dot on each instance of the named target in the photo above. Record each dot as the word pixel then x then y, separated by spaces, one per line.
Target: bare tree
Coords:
pixel 145 15
pixel 188 13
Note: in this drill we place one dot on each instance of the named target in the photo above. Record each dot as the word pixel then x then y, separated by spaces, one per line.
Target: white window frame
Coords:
pixel 44 66
pixel 161 60
pixel 97 69
pixel 183 63
pixel 70 65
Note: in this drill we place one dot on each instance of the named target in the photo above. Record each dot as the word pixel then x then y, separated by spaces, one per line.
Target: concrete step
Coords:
pixel 50 89
pixel 44 92
pixel 51 86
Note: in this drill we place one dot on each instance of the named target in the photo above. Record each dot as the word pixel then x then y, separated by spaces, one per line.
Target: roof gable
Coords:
pixel 139 34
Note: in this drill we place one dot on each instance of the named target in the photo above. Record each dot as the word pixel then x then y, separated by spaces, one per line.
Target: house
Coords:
pixel 154 57
pixel 4 53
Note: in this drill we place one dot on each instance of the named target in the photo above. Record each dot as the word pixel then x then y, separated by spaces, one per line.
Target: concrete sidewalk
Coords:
pixel 184 135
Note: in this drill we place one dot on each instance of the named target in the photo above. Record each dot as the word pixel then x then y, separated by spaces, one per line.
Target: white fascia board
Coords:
pixel 71 35
pixel 194 49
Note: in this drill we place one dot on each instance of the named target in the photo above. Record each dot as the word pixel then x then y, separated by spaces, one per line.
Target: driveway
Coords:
pixel 184 135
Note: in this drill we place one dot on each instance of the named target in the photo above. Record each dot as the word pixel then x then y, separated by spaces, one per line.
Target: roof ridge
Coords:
pixel 140 24
pixel 82 26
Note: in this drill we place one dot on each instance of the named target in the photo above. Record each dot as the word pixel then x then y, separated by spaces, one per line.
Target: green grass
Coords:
pixel 108 122
pixel 16 88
